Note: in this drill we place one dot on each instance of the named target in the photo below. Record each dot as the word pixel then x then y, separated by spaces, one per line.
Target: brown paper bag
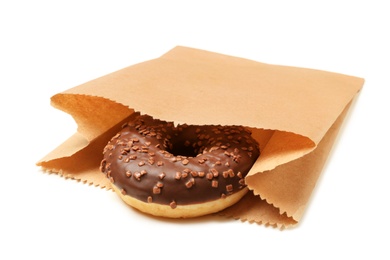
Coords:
pixel 294 113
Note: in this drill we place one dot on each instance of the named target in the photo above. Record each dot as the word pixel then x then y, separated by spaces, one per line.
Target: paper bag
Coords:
pixel 294 114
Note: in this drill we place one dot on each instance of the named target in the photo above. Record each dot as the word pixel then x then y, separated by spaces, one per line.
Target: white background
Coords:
pixel 49 46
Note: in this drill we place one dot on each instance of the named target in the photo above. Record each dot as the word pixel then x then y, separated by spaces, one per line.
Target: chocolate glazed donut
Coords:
pixel 179 172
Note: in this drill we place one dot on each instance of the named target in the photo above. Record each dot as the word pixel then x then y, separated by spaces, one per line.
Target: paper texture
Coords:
pixel 294 113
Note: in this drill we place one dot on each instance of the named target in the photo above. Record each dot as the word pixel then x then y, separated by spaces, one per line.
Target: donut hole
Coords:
pixel 183 149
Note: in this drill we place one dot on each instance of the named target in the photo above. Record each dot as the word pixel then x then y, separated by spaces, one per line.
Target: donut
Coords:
pixel 178 171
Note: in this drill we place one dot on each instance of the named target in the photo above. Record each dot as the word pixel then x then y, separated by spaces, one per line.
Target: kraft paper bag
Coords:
pixel 294 114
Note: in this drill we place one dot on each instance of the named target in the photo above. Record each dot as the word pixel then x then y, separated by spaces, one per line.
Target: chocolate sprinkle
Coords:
pixel 173 204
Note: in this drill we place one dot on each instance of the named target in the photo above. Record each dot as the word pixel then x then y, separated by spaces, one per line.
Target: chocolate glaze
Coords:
pixel 154 161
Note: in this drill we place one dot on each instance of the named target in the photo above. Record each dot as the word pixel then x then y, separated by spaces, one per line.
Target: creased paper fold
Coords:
pixel 294 113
